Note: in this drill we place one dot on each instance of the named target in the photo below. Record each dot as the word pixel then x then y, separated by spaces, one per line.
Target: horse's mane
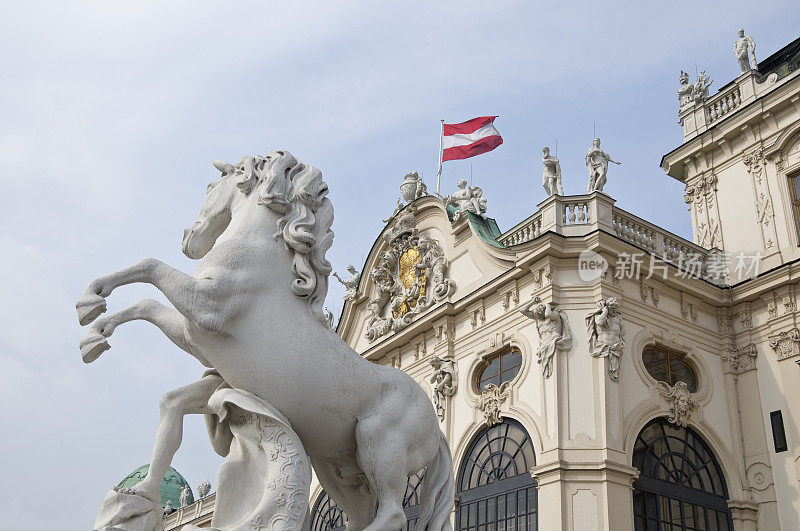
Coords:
pixel 297 192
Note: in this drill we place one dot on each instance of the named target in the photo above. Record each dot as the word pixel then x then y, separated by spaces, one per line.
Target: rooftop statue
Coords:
pixel 467 199
pixel 701 85
pixel 351 284
pixel 185 495
pixel 693 93
pixel 597 162
pixel 745 51
pixel 411 189
pixel 282 387
pixel 203 489
pixel 551 179
pixel 685 91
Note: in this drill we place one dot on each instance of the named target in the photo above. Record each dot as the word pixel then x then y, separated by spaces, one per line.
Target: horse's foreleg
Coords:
pixel 168 320
pixel 174 405
pixel 203 301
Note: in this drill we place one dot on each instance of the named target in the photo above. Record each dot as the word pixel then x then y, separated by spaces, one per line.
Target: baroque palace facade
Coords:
pixel 592 370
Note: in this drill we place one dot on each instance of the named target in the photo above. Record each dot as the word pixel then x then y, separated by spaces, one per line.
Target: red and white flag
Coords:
pixel 470 138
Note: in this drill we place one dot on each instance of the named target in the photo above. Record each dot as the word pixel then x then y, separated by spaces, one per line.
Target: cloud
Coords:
pixel 112 113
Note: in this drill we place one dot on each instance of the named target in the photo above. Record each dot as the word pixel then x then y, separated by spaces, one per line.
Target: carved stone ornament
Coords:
pixel 466 199
pixel 445 382
pixel 412 187
pixel 492 397
pixel 786 344
pixel 606 337
pixel 203 489
pixel 756 166
pixel 552 325
pixel 743 359
pixel 689 94
pixel 351 284
pixel 411 275
pixel 680 400
pixel 701 196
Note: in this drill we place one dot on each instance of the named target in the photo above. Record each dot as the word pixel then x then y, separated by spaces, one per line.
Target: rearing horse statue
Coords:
pixel 253 313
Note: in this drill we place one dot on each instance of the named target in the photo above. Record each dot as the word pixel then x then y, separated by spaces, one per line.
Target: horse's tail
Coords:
pixel 438 491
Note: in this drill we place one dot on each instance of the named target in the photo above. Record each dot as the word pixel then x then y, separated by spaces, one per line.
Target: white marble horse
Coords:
pixel 253 312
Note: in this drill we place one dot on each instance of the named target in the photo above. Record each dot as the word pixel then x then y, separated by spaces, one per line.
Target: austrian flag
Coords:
pixel 470 138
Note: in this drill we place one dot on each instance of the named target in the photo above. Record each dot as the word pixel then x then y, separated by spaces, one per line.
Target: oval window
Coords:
pixel 669 366
pixel 502 367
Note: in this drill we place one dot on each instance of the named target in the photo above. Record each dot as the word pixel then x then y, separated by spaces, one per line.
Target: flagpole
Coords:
pixel 439 169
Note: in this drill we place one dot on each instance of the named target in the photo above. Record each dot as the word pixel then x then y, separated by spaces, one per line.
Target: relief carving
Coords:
pixel 680 400
pixel 744 359
pixel 445 382
pixel 492 397
pixel 763 200
pixel 411 275
pixel 606 337
pixel 701 198
pixel 786 344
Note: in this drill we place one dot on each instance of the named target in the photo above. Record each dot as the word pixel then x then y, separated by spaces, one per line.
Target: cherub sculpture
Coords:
pixel 552 324
pixel 606 337
pixel 467 199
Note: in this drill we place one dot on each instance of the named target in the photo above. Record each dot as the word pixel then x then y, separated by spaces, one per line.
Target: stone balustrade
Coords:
pixel 723 104
pixel 574 212
pixel 198 513
pixel 581 214
pixel 523 232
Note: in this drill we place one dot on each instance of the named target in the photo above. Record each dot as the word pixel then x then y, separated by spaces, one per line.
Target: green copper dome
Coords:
pixel 171 485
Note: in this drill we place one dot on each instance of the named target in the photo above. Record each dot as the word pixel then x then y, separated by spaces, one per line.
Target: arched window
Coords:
pixel 494 484
pixel 680 482
pixel 411 499
pixel 502 367
pixel 669 366
pixel 328 516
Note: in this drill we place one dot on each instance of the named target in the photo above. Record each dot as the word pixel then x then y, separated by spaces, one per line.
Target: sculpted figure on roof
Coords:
pixel 597 162
pixel 551 179
pixel 467 199
pixel 745 50
pixel 351 284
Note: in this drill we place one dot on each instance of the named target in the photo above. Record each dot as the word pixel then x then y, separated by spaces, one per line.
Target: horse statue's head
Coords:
pixel 292 191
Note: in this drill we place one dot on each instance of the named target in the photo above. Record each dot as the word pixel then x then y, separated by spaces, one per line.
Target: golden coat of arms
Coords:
pixel 410 276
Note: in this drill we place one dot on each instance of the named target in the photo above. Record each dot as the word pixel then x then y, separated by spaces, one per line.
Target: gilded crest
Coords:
pixel 411 275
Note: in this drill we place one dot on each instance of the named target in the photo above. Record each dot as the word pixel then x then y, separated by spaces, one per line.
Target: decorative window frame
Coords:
pixel 778 154
pixel 487 352
pixel 646 338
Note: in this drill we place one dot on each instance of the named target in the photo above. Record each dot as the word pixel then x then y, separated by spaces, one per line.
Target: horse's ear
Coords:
pixel 224 167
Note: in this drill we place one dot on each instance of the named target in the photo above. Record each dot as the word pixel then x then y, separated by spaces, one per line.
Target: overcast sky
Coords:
pixel 112 113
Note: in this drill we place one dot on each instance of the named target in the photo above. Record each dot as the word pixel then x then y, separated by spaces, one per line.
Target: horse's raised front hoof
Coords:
pixel 92 345
pixel 89 306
